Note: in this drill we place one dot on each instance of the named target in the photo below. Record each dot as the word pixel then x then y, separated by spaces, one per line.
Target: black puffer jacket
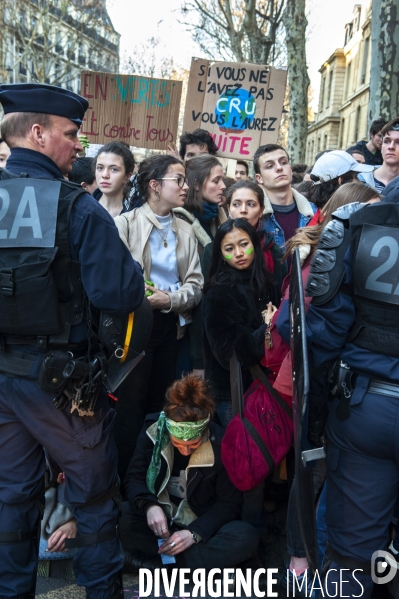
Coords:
pixel 370 158
pixel 232 323
pixel 210 493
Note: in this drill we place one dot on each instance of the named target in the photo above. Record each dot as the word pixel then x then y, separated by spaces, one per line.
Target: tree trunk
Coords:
pixel 295 23
pixel 384 82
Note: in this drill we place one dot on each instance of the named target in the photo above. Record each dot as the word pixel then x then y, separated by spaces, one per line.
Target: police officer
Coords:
pixel 61 261
pixel 353 322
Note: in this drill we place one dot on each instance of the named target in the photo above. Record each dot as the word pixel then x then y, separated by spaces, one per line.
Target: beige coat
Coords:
pixel 135 228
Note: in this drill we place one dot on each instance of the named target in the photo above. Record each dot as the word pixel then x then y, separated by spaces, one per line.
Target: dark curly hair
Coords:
pixel 199 137
pixel 377 126
pixel 120 149
pixel 189 400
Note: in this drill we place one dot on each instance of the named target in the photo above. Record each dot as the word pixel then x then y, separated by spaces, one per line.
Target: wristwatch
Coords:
pixel 196 538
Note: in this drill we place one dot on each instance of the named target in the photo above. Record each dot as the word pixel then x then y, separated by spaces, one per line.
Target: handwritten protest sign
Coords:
pixel 240 104
pixel 140 111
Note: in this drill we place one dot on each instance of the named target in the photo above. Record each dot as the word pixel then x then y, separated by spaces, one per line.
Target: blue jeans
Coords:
pixel 225 412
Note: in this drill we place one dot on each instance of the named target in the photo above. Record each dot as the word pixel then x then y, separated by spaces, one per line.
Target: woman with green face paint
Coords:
pixel 180 496
pixel 238 290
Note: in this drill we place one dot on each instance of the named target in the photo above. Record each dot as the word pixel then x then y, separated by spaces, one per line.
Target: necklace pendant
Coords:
pixel 165 243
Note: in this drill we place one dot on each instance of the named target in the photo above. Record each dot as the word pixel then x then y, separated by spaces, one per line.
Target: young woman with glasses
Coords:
pixel 166 248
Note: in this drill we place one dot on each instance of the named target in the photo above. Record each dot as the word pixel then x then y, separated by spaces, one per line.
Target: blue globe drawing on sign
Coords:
pixel 235 110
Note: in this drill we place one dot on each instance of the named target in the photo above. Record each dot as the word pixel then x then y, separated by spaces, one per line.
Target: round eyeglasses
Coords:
pixel 181 181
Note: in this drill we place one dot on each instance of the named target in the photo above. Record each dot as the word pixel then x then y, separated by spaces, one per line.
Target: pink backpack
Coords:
pixel 260 435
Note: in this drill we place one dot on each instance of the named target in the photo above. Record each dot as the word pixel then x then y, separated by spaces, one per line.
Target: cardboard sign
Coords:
pixel 28 214
pixel 139 111
pixel 240 104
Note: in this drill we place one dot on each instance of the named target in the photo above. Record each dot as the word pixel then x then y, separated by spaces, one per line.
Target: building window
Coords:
pixel 22 69
pixel 318 144
pixel 365 63
pixel 341 137
pixel 58 43
pixel 325 142
pixel 348 79
pixel 357 123
pixel 329 91
pixel 81 55
pixel 348 32
pixel 323 85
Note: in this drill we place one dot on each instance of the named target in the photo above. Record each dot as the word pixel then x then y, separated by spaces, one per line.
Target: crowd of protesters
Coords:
pixel 216 257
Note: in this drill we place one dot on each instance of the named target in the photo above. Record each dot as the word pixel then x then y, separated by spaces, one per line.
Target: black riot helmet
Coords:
pixel 125 338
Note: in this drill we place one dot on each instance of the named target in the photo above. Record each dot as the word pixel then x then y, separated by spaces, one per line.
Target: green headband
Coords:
pixel 184 431
pixel 187 431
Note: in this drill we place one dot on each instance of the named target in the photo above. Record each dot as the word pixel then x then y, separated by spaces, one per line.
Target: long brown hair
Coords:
pixel 198 170
pixel 346 194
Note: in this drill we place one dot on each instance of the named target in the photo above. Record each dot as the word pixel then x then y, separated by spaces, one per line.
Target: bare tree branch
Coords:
pixel 144 60
pixel 243 30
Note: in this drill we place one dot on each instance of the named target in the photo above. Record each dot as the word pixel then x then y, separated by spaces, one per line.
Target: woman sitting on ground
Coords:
pixel 179 491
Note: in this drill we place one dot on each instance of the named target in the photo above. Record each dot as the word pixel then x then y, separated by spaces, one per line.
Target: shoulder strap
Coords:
pixel 258 373
pixel 259 442
pixel 237 396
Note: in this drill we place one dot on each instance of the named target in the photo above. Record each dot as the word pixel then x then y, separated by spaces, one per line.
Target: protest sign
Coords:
pixel 140 111
pixel 240 104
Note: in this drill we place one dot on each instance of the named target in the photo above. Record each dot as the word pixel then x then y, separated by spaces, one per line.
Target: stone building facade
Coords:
pixel 51 41
pixel 342 117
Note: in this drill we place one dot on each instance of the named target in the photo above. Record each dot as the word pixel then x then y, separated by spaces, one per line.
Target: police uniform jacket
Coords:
pixel 112 280
pixel 328 330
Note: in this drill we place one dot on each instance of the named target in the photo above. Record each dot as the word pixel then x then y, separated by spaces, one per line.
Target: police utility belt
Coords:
pixel 41 294
pixel 342 381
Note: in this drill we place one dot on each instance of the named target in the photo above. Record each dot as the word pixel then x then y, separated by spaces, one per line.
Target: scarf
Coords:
pixel 184 431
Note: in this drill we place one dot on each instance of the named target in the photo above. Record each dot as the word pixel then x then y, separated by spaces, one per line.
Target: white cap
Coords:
pixel 335 164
